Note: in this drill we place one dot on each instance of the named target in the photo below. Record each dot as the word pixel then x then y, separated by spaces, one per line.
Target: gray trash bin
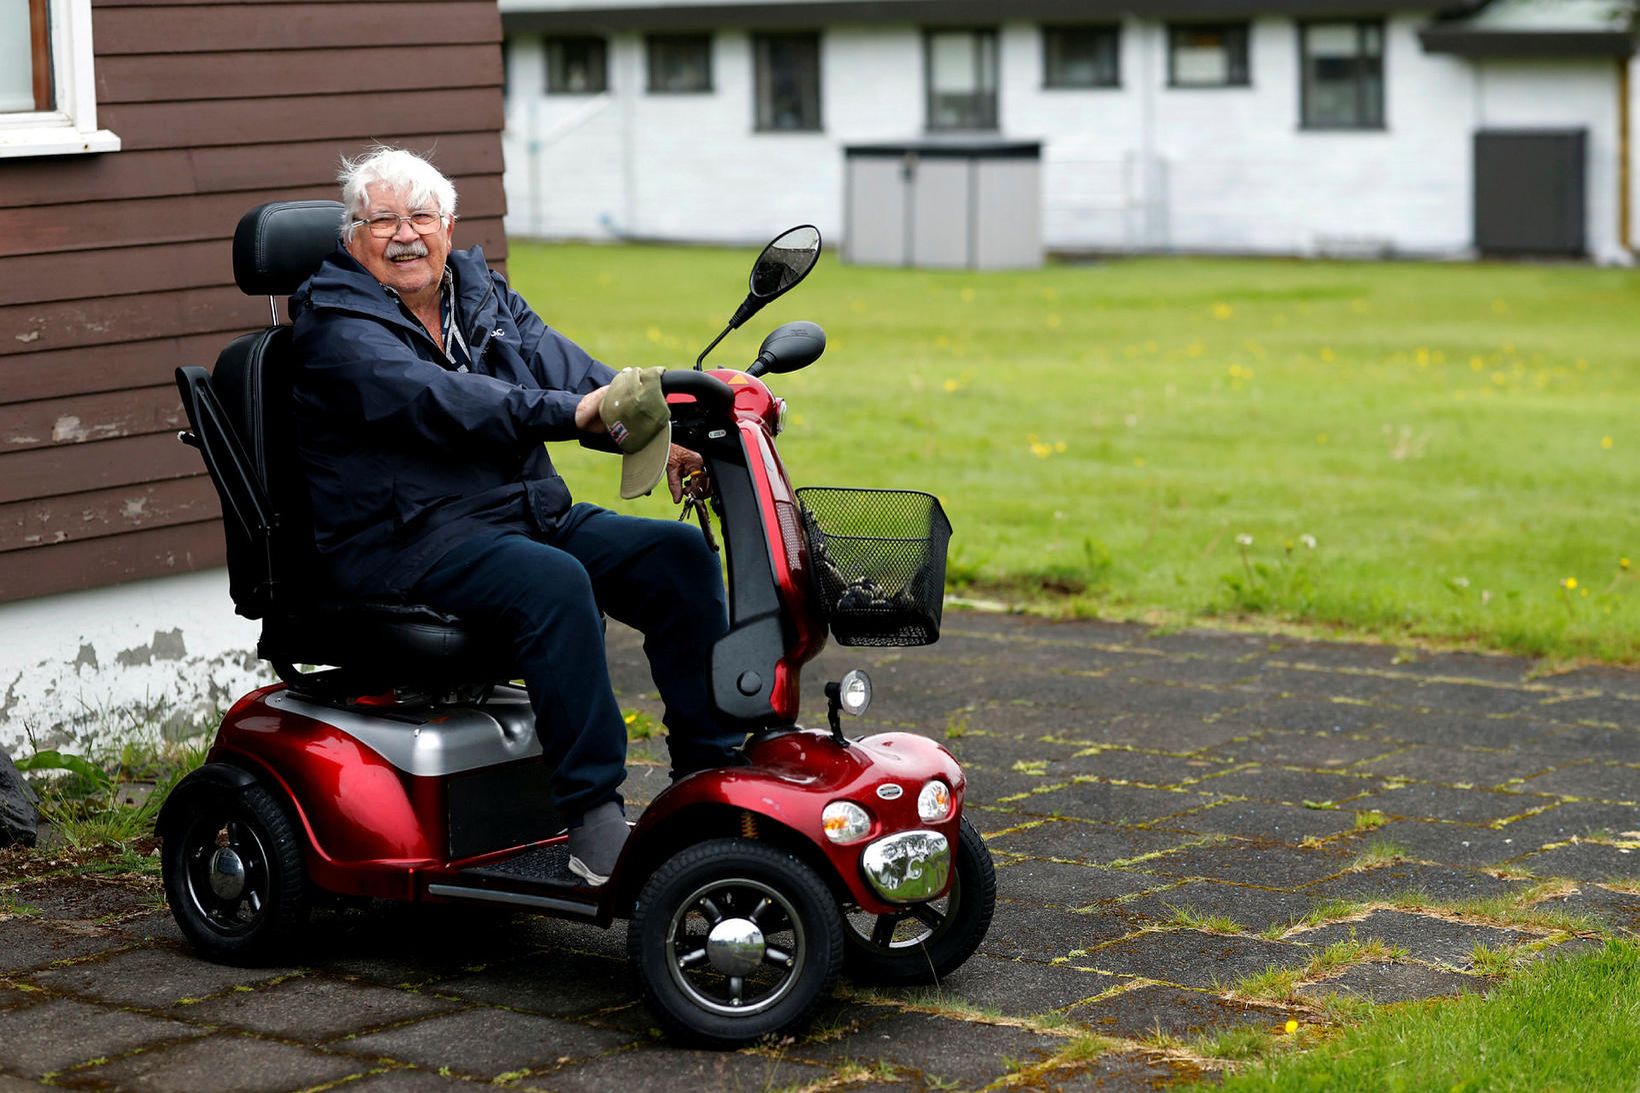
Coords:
pixel 956 203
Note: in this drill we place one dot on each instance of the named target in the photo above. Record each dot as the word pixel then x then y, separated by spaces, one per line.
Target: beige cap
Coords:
pixel 635 413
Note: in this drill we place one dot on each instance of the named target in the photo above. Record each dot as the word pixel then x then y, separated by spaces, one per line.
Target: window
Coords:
pixel 1207 56
pixel 962 79
pixel 577 66
pixel 1081 57
pixel 680 63
pixel 788 81
pixel 48 98
pixel 1341 67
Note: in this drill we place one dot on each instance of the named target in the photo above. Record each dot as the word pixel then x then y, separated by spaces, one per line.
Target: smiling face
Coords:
pixel 410 264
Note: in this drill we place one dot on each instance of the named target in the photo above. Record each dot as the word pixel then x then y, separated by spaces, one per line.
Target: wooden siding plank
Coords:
pixel 96 563
pixel 168 172
pixel 223 28
pixel 80 419
pixel 73 468
pixel 176 325
pixel 101 513
pixel 170 77
pixel 29 328
pixel 36 278
pixel 89 369
pixel 104 225
pixel 301 118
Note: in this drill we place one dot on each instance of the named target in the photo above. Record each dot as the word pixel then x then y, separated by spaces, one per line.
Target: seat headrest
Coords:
pixel 278 245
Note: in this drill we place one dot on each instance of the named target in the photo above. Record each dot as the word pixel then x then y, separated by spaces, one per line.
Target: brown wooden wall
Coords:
pixel 116 268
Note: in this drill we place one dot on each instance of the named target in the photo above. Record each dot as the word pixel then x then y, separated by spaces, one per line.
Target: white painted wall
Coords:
pixel 151 656
pixel 1140 167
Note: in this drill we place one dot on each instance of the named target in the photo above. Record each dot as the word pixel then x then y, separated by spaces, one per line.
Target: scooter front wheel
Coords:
pixel 925 942
pixel 733 940
pixel 233 876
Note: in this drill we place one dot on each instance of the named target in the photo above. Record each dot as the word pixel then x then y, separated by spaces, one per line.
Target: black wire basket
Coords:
pixel 878 563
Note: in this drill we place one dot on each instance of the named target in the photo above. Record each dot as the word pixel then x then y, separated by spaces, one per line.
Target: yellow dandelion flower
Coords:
pixel 1327 354
pixel 1223 311
pixel 1423 357
pixel 1321 438
pixel 967 295
pixel 1606 442
pixel 1138 461
pixel 1623 564
pixel 654 334
pixel 1477 364
pixel 631 717
pixel 951 385
pixel 1291 1026
pixel 1569 583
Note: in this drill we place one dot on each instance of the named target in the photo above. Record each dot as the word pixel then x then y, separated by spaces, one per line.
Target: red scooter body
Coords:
pixel 745 885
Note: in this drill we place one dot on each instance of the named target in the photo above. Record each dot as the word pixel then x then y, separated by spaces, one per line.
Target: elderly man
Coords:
pixel 425 392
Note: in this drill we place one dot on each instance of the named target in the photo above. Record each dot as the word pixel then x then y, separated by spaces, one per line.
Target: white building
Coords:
pixel 1282 126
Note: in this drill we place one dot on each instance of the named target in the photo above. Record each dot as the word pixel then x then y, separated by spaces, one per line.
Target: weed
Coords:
pixel 1378 852
pixel 1370 821
pixel 640 726
pixel 1237 1044
pixel 1191 919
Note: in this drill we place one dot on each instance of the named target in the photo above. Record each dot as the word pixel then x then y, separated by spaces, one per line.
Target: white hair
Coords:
pixel 397 170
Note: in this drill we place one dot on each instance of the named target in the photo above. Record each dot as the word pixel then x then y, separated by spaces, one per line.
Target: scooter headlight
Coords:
pixel 845 821
pixel 854 692
pixel 934 802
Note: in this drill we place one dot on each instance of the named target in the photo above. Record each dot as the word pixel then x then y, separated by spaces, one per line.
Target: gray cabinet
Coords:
pixel 944 204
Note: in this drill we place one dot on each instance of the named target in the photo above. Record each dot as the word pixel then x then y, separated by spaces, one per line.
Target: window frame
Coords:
pixel 1360 27
pixel 649 42
pixel 70 126
pixel 1113 30
pixel 760 40
pixel 548 79
pixel 1233 30
pixel 979 35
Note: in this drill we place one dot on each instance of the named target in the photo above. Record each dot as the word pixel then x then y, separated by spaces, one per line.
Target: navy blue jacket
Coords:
pixel 406 458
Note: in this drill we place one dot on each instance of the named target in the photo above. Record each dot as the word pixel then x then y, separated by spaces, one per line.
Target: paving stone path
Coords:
pixel 1194 833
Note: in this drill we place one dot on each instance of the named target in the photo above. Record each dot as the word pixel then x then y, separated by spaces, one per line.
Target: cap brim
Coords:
pixel 641 470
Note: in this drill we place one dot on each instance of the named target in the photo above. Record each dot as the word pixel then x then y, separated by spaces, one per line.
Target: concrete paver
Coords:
pixel 1170 815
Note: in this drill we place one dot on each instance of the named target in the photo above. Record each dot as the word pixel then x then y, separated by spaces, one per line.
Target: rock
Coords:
pixel 19 822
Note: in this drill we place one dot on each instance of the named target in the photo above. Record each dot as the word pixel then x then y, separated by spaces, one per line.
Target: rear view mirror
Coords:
pixel 784 262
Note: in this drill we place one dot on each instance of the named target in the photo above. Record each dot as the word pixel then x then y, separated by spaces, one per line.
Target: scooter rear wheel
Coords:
pixel 233 876
pixel 733 940
pixel 925 942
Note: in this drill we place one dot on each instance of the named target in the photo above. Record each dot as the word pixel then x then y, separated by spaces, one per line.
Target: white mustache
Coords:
pixel 414 249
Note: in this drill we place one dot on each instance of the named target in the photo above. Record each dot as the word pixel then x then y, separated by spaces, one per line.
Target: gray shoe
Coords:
pixel 595 844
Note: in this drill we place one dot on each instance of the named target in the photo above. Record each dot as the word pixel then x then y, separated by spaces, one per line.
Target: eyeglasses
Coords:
pixel 386 225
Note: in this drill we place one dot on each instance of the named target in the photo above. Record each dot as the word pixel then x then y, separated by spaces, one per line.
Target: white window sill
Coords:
pixel 63 140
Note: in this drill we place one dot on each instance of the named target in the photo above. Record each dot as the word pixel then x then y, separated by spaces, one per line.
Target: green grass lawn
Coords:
pixel 1165 438
pixel 1571 1024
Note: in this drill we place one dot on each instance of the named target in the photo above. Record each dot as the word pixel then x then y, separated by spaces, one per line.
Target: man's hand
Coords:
pixel 587 417
pixel 684 470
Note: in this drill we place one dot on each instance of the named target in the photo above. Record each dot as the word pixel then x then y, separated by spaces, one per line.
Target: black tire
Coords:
pixel 233 875
pixel 927 941
pixel 684 957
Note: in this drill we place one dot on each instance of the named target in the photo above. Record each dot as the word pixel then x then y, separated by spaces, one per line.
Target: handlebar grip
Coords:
pixel 707 390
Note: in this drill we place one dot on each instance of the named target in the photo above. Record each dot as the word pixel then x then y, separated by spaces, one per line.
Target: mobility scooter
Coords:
pixel 409 769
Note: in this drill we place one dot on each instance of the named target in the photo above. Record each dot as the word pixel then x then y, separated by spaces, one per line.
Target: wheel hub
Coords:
pixel 735 946
pixel 227 873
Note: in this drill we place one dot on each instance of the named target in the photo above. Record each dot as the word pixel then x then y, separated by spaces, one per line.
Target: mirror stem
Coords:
pixel 713 346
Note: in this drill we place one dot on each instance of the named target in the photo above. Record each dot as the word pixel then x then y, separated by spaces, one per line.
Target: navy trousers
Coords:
pixel 545 594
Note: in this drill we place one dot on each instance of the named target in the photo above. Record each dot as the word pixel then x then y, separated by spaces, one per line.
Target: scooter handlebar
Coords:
pixel 705 389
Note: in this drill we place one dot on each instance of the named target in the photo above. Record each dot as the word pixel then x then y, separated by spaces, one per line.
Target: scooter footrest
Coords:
pixel 543 865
